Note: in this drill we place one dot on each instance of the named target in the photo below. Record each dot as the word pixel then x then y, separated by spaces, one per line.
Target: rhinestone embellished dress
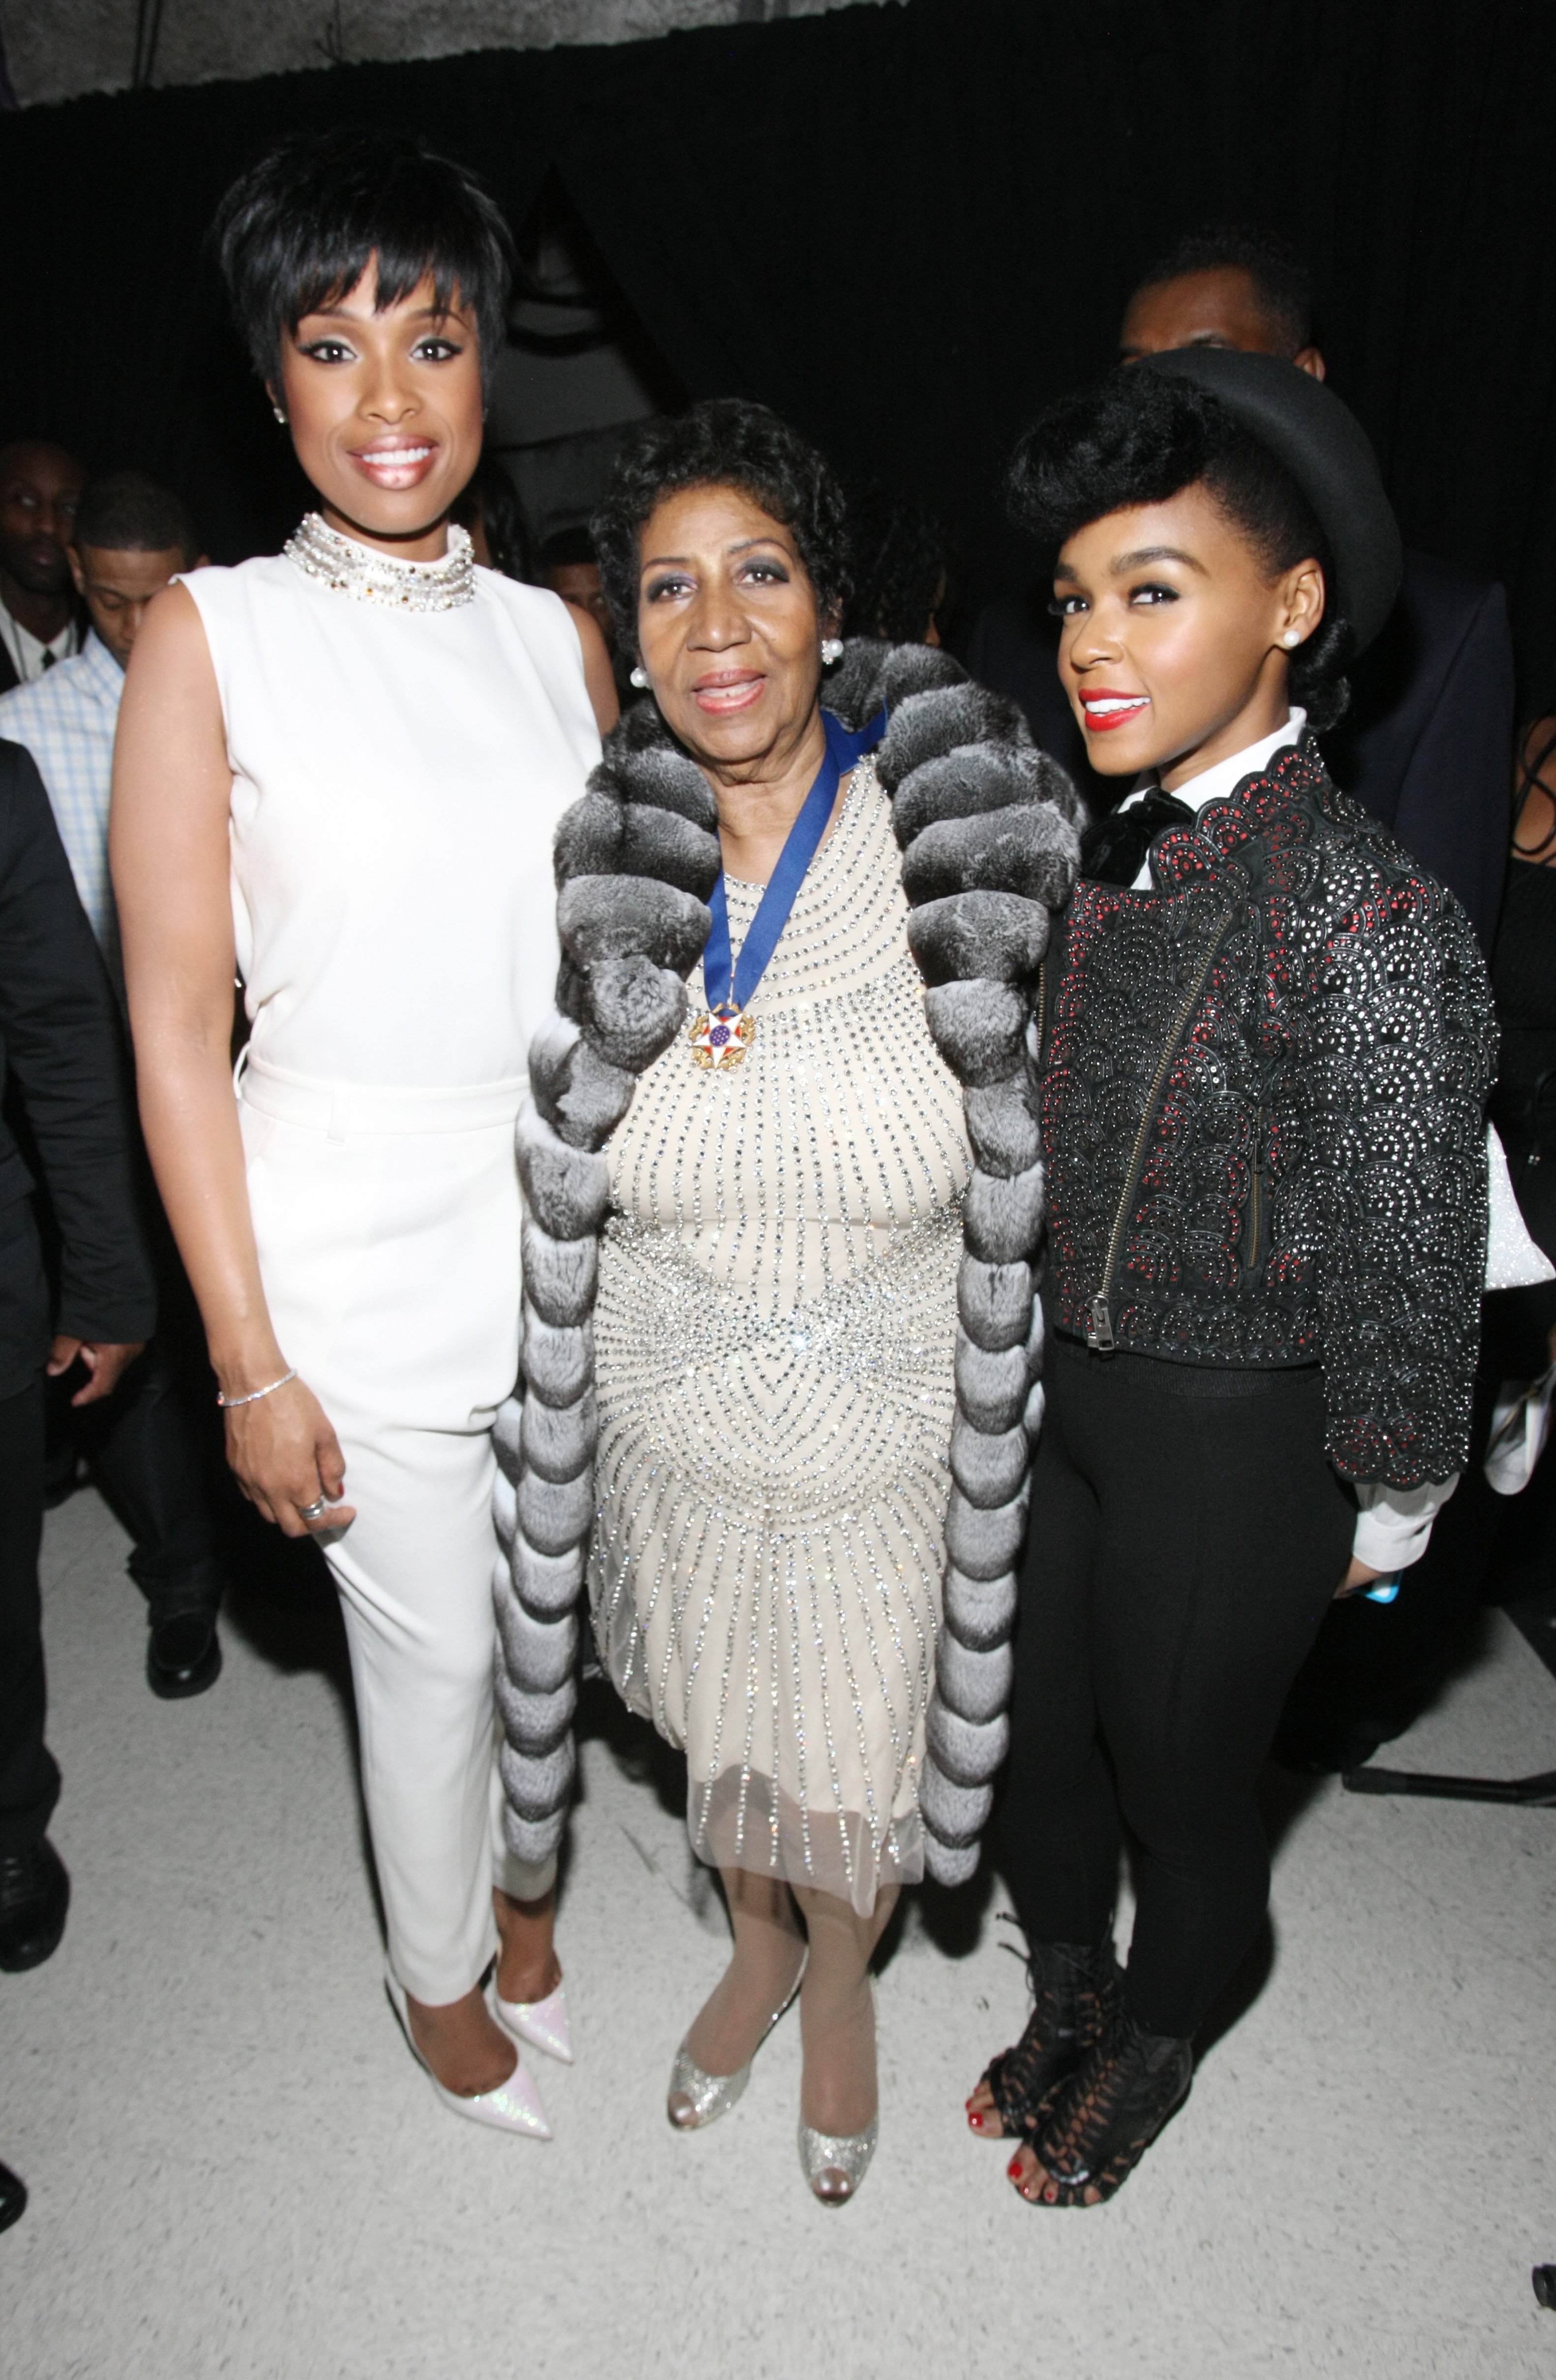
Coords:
pixel 774 1333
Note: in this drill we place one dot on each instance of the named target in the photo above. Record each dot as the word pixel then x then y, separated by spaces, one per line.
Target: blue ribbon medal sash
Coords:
pixel 723 1033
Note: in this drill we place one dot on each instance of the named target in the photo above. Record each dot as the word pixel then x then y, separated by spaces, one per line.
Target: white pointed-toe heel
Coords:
pixel 542 2023
pixel 513 2106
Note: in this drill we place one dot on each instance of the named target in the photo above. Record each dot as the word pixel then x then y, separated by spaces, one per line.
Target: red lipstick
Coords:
pixel 1105 706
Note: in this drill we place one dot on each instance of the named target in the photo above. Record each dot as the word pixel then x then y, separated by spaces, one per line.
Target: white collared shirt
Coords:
pixel 27 652
pixel 1214 784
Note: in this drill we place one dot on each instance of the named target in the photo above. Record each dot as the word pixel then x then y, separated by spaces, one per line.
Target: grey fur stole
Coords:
pixel 988 827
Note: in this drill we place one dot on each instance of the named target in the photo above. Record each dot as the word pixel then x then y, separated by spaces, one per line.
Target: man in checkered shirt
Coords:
pixel 131 537
pixel 143 1443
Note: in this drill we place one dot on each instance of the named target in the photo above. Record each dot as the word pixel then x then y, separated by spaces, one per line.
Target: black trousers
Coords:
pixel 29 1779
pixel 1187 1535
pixel 154 1448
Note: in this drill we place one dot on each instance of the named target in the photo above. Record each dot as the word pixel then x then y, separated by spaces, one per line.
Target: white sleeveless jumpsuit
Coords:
pixel 397 777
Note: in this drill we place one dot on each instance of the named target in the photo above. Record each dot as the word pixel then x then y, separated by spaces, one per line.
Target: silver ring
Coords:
pixel 311 1512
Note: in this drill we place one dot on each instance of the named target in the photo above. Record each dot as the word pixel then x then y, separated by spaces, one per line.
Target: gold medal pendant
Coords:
pixel 721 1037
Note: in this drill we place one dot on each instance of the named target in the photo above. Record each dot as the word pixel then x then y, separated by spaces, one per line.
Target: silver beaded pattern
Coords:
pixel 349 567
pixel 774 1332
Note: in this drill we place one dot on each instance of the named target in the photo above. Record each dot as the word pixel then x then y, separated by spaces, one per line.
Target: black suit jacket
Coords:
pixel 9 677
pixel 60 1050
pixel 1426 745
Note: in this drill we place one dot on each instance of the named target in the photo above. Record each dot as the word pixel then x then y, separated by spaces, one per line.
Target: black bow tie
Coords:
pixel 1114 847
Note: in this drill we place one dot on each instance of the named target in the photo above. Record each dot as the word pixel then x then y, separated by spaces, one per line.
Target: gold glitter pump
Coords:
pixel 836 2163
pixel 695 2098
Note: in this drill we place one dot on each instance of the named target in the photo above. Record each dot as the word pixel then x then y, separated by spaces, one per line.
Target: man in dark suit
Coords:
pixel 1426 745
pixel 40 619
pixel 60 1047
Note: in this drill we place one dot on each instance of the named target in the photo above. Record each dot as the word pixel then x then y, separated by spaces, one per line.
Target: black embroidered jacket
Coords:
pixel 1263 1089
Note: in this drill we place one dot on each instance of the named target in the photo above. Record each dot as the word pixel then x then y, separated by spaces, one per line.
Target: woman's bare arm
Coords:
pixel 169 853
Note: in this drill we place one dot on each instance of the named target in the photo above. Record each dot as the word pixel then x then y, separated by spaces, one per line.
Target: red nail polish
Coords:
pixel 1012 2171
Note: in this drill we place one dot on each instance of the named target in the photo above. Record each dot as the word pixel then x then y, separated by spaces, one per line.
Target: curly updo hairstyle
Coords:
pixel 725 441
pixel 298 230
pixel 1140 436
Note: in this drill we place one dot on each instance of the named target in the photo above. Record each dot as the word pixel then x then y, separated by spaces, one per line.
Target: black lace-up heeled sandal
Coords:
pixel 1105 2115
pixel 1075 1994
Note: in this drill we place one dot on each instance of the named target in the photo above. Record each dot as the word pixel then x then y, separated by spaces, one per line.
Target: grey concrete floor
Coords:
pixel 235 2169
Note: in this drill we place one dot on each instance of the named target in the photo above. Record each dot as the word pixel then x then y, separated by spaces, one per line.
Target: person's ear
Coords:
pixel 76 573
pixel 1309 359
pixel 200 562
pixel 1301 605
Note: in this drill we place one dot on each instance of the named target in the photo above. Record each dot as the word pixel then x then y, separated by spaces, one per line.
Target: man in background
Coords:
pixel 148 1445
pixel 128 538
pixel 40 487
pixel 1426 743
pixel 60 1050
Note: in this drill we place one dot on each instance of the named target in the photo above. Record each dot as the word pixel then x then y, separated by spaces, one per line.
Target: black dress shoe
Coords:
pixel 183 1654
pixel 13 2198
pixel 34 1896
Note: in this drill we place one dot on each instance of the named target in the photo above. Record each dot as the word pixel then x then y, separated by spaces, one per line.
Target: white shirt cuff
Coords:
pixel 1394 1524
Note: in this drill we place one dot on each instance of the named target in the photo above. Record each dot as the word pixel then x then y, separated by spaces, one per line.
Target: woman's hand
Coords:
pixel 286 1455
pixel 1356 1581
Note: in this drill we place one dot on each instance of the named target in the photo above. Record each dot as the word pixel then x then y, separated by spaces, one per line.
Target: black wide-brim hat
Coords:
pixel 1318 438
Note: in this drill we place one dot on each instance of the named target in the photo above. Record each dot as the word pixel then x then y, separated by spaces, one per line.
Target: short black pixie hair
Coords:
pixel 125 512
pixel 1281 280
pixel 725 441
pixel 1140 436
pixel 298 229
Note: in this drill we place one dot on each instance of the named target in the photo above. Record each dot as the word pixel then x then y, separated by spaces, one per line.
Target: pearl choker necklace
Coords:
pixel 368 576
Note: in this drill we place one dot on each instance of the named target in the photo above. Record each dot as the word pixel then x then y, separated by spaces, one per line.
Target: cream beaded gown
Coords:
pixel 775 1333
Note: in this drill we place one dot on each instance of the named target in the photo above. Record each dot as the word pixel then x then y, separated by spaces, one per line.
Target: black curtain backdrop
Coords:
pixel 904 226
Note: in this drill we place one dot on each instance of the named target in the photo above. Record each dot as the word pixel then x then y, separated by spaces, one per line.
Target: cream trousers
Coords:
pixel 388 1231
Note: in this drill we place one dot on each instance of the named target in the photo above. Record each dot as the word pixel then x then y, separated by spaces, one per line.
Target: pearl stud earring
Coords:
pixel 832 650
pixel 639 677
pixel 1291 637
pixel 280 415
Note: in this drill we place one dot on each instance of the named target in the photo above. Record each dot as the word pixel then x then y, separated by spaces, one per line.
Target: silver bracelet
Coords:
pixel 268 1390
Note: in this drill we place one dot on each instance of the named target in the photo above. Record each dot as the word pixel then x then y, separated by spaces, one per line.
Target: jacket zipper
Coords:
pixel 1256 1197
pixel 1098 1312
